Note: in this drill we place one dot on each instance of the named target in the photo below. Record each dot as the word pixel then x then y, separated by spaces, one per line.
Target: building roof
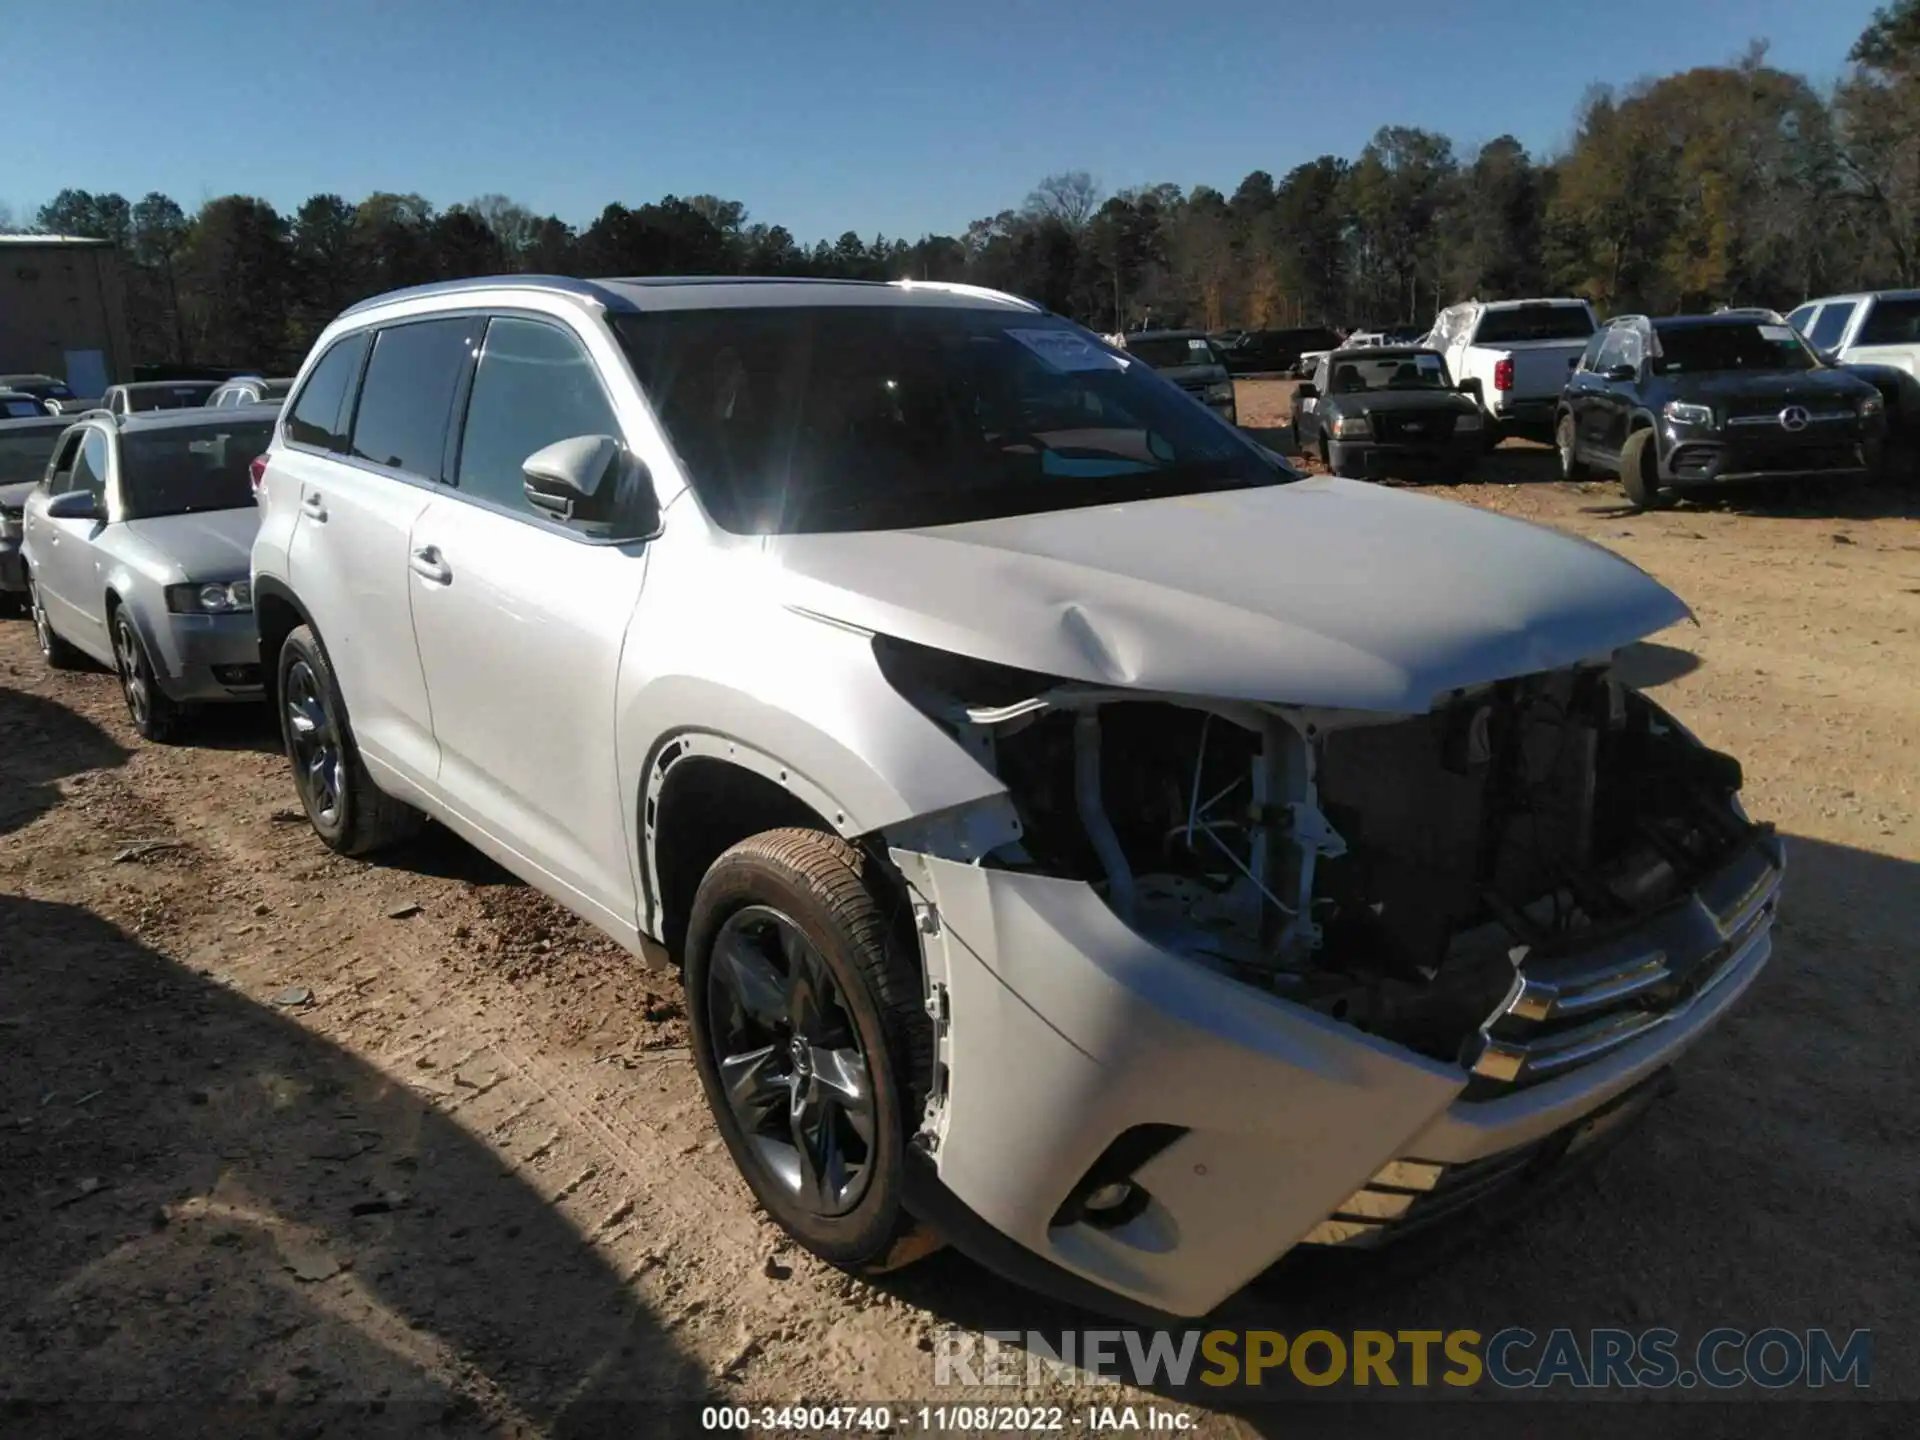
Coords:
pixel 52 240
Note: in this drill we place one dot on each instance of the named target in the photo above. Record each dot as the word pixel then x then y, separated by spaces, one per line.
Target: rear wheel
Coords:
pixel 1563 441
pixel 348 811
pixel 58 654
pixel 155 714
pixel 1640 471
pixel 811 1041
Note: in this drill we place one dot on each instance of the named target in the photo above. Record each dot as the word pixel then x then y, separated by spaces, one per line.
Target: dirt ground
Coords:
pixel 350 1145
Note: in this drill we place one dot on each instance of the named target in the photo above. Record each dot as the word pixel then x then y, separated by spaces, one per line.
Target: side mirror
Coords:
pixel 74 505
pixel 1620 373
pixel 1306 390
pixel 593 480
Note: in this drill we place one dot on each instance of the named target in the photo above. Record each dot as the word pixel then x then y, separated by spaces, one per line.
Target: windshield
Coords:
pixel 795 418
pixel 20 407
pixel 24 457
pixel 1168 352
pixel 1409 370
pixel 181 472
pixel 1692 349
pixel 1533 322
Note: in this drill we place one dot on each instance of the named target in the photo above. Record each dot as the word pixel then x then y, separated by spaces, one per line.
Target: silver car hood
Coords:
pixel 209 545
pixel 1322 592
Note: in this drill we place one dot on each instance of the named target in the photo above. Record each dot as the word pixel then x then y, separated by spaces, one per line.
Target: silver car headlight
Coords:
pixel 1351 427
pixel 216 597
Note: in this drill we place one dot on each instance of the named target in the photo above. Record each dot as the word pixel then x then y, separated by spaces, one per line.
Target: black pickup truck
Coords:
pixel 1698 400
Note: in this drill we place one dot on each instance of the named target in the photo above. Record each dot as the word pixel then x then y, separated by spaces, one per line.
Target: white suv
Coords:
pixel 1086 841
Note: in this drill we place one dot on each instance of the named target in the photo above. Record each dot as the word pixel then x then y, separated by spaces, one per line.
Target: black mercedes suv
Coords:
pixel 1691 400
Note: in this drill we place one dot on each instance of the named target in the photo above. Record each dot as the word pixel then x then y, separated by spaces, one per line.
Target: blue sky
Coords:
pixel 901 117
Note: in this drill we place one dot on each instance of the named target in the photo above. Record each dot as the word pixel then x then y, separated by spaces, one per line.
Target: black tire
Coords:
pixel 1571 466
pixel 155 714
pixel 58 654
pixel 823 891
pixel 1490 434
pixel 1640 471
pixel 351 814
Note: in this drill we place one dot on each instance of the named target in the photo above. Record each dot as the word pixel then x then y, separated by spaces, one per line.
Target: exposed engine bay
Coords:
pixel 1391 872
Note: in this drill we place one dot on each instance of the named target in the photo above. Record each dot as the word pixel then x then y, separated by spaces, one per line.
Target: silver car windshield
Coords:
pixel 185 471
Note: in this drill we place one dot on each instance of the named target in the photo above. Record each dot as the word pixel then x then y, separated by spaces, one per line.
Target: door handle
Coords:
pixel 312 504
pixel 427 564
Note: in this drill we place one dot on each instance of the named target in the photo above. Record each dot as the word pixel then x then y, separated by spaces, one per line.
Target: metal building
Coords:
pixel 62 311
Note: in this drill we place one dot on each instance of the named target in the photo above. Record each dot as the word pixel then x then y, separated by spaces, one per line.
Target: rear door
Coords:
pixel 362 486
pixel 521 621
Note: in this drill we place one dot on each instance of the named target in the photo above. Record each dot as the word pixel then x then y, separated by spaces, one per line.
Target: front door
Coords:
pixel 68 570
pixel 521 622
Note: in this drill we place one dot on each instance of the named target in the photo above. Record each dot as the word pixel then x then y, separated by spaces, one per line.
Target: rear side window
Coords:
pixel 407 395
pixel 534 385
pixel 1891 322
pixel 316 416
pixel 1831 325
pixel 1799 318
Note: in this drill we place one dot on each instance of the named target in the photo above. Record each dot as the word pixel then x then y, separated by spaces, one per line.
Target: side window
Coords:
pixel 314 418
pixel 1800 318
pixel 535 385
pixel 1320 376
pixel 60 473
pixel 407 396
pixel 1613 350
pixel 1831 325
pixel 90 470
pixel 1590 357
pixel 1633 348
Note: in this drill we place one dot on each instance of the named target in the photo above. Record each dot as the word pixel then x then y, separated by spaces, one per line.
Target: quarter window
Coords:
pixel 407 396
pixel 534 385
pixel 315 418
pixel 1800 318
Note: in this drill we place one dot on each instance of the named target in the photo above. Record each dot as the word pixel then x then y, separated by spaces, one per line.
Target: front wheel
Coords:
pixel 351 814
pixel 1640 471
pixel 811 1041
pixel 155 714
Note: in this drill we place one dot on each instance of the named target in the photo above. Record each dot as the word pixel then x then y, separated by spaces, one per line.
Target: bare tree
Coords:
pixel 1070 197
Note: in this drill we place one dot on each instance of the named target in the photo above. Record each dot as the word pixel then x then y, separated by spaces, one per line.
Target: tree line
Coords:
pixel 1734 184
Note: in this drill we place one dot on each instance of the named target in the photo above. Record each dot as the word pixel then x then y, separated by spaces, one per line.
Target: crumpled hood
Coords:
pixel 209 545
pixel 1323 592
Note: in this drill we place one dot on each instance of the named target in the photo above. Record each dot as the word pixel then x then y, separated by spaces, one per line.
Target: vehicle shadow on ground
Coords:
pixel 438 852
pixel 41 743
pixel 1880 500
pixel 1781 1167
pixel 209 1205
pixel 233 727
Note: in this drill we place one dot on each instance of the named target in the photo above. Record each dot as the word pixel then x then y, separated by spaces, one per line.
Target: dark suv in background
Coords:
pixel 1695 400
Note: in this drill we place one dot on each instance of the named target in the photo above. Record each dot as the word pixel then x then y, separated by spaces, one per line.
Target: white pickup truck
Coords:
pixel 1878 328
pixel 1515 355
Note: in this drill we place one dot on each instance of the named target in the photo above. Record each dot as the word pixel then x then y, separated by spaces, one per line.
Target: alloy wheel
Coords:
pixel 126 650
pixel 319 764
pixel 790 1060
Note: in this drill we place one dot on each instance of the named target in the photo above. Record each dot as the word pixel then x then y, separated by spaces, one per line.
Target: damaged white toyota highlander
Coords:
pixel 1087 842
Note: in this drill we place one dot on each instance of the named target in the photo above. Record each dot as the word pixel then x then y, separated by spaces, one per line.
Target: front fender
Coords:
pixel 801 701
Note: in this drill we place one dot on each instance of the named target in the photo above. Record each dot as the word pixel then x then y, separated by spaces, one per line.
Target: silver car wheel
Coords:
pixel 319 764
pixel 133 680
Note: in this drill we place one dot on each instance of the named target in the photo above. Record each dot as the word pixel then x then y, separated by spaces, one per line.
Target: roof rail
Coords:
pixel 978 292
pixel 585 290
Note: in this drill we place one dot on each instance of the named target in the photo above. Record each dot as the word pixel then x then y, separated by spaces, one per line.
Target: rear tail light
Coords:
pixel 257 471
pixel 1503 374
